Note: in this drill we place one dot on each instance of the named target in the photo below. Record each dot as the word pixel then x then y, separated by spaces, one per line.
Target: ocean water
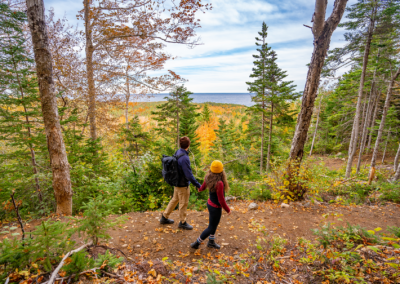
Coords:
pixel 225 98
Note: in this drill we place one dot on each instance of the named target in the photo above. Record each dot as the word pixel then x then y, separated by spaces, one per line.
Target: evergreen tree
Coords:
pixel 272 95
pixel 137 140
pixel 24 166
pixel 177 117
pixel 206 114
pixel 224 142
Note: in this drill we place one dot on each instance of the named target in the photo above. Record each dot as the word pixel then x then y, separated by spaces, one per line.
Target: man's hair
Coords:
pixel 184 142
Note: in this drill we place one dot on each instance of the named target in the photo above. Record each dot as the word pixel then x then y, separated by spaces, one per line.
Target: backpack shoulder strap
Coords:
pixel 177 157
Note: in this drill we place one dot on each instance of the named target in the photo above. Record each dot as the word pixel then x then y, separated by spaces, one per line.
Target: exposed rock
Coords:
pixel 284 205
pixel 253 206
pixel 229 198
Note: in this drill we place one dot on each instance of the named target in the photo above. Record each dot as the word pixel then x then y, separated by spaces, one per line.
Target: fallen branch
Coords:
pixel 111 275
pixel 55 272
pixel 106 247
pixel 346 180
pixel 18 216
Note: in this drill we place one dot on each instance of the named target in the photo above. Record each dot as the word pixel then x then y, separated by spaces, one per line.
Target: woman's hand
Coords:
pixel 229 213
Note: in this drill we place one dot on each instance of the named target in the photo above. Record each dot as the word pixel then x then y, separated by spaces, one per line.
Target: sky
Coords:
pixel 223 63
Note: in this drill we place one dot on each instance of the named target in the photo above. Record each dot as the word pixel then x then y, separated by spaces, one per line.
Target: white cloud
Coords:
pixel 223 63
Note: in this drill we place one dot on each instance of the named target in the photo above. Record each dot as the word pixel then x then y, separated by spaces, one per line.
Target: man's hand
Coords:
pixel 229 213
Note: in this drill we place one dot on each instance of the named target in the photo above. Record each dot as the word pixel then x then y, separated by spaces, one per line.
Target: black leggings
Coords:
pixel 215 217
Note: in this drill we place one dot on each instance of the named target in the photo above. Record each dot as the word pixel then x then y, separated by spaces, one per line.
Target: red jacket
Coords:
pixel 220 194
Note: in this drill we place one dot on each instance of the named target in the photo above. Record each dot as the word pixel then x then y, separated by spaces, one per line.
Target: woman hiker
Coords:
pixel 217 185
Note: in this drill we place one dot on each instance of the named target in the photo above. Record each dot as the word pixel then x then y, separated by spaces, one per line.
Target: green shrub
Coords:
pixel 261 193
pixel 390 192
pixel 395 231
pixel 343 236
pixel 108 259
pixel 80 262
pixel 95 222
pixel 45 246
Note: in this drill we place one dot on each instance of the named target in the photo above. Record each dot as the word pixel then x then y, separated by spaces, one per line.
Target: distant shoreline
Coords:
pixel 219 98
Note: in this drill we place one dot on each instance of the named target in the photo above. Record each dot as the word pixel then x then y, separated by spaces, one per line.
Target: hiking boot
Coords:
pixel 185 226
pixel 213 244
pixel 195 245
pixel 164 220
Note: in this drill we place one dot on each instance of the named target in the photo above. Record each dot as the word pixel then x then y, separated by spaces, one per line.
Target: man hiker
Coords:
pixel 182 191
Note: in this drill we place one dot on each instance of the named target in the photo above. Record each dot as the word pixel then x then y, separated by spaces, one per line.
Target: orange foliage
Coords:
pixel 206 134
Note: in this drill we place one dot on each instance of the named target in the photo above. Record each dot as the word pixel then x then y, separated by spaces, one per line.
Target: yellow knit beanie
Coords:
pixel 217 167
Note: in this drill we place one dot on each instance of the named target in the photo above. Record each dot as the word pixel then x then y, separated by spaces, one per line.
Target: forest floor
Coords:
pixel 335 163
pixel 157 253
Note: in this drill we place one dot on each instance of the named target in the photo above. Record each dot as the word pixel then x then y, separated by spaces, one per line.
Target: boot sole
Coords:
pixel 185 228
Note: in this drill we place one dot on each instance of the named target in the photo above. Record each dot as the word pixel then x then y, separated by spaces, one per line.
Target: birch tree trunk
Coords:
pixel 58 156
pixel 397 174
pixel 384 151
pixel 372 125
pixel 89 71
pixel 270 136
pixel 356 123
pixel 127 97
pixel 396 159
pixel 382 125
pixel 364 130
pixel 322 31
pixel 316 126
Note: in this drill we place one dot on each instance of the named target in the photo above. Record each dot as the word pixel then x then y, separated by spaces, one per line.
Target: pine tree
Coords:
pixel 206 114
pixel 272 95
pixel 21 125
pixel 370 22
pixel 137 140
pixel 177 117
pixel 224 141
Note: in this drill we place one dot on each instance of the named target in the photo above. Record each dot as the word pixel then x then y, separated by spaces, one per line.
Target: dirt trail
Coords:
pixel 145 242
pixel 143 237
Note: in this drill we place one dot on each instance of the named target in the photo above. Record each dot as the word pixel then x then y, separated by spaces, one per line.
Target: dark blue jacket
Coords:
pixel 184 167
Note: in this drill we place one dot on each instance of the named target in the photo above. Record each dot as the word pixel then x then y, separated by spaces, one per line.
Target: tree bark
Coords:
pixel 376 108
pixel 384 151
pixel 270 136
pixel 127 97
pixel 319 17
pixel 321 45
pixel 58 156
pixel 89 71
pixel 396 159
pixel 262 140
pixel 356 123
pixel 365 125
pixel 384 113
pixel 316 126
pixel 397 174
